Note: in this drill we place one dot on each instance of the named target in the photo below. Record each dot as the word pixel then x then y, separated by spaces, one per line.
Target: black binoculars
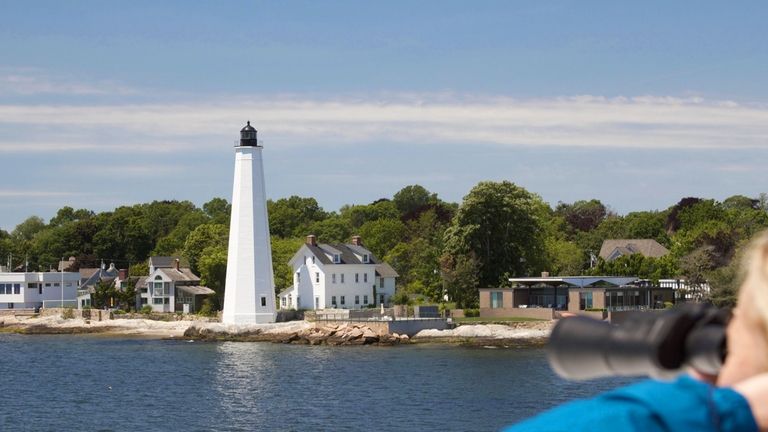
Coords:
pixel 657 344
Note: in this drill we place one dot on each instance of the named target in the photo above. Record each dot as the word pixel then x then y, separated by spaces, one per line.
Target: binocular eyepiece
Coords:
pixel 646 343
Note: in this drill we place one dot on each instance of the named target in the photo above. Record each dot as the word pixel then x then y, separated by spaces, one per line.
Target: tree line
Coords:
pixel 500 230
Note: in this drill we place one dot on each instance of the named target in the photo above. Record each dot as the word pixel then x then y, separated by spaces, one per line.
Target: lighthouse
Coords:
pixel 249 295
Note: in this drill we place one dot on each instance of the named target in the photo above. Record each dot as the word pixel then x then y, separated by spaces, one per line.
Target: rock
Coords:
pixel 355 333
pixel 404 337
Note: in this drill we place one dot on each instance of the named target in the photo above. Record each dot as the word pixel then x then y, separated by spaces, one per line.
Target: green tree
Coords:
pixel 218 211
pixel 381 235
pixel 411 199
pixel 212 265
pixel 461 279
pixel 582 215
pixel 334 229
pixel 500 226
pixel 282 251
pixel 204 236
pixel 289 217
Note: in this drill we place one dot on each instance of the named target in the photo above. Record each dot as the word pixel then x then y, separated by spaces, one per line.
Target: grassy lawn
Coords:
pixel 479 320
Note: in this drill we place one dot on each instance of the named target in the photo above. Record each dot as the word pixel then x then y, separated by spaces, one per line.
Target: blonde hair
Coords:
pixel 754 286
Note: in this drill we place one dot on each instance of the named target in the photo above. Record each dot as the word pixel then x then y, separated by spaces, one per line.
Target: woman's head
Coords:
pixel 748 329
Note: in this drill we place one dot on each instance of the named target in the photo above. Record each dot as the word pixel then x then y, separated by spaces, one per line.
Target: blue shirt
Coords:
pixel 682 405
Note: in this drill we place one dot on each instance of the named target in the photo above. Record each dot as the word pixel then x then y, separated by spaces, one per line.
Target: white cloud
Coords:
pixel 25 193
pixel 33 81
pixel 581 121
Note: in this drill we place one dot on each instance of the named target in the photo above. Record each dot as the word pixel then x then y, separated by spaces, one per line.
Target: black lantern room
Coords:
pixel 248 136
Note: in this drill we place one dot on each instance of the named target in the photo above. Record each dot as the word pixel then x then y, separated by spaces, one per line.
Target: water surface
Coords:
pixel 106 383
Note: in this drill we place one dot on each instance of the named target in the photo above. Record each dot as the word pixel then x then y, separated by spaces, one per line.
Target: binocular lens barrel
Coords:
pixel 658 345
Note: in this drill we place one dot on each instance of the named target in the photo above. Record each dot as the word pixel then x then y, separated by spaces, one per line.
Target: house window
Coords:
pixel 336 258
pixel 357 277
pixel 366 259
pixel 157 300
pixel 47 284
pixel 342 300
pixel 167 300
pixel 317 277
pixel 365 299
pixel 10 305
pixel 585 300
pixel 17 289
pixel 333 278
pixel 32 285
pixel 342 278
pixel 263 301
pixel 497 298
pixel 333 300
pixel 365 277
pixel 357 299
pixel 143 300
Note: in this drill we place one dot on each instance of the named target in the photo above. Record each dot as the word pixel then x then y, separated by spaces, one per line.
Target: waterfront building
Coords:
pixel 338 276
pixel 33 290
pixel 249 295
pixel 89 279
pixel 171 286
pixel 543 297
pixel 615 248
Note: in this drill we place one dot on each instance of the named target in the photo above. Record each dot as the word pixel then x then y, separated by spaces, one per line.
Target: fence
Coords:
pixel 47 304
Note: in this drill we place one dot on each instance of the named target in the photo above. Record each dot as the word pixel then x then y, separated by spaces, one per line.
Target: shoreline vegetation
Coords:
pixel 512 334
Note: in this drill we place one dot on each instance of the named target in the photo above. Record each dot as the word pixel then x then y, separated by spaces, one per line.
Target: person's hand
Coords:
pixel 755 390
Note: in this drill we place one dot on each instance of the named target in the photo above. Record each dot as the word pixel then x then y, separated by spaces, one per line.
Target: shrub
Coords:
pixel 206 309
pixel 469 313
pixel 68 313
pixel 146 309
pixel 401 298
pixel 118 312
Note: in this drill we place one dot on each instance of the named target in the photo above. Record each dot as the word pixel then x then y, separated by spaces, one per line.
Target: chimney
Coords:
pixel 312 240
pixel 123 274
pixel 545 274
pixel 357 240
pixel 177 264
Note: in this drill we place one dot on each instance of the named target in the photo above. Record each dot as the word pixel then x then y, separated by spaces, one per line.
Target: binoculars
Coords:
pixel 657 344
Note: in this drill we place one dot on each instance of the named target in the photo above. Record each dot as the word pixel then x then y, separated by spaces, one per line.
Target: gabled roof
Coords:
pixel 386 270
pixel 347 253
pixel 167 262
pixel 196 290
pixel 183 274
pixel 614 248
pixel 92 276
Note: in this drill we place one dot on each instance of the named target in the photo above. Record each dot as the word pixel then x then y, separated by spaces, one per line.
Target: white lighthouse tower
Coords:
pixel 249 295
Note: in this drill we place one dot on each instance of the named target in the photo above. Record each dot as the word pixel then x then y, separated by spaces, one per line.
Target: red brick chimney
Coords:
pixel 123 274
pixel 357 240
pixel 312 240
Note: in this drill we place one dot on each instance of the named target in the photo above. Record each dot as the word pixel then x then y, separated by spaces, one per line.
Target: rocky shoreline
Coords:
pixel 294 332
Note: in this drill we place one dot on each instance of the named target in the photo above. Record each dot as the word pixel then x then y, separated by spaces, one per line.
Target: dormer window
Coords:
pixel 336 258
pixel 366 259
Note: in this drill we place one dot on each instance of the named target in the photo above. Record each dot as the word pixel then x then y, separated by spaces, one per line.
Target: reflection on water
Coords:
pixel 91 383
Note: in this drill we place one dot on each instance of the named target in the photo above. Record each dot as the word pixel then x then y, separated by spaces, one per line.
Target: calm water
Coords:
pixel 99 383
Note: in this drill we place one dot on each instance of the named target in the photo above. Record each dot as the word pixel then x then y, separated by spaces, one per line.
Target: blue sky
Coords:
pixel 111 103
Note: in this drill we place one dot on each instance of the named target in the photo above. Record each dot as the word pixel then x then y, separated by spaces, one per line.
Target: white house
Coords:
pixel 339 276
pixel 171 287
pixel 30 290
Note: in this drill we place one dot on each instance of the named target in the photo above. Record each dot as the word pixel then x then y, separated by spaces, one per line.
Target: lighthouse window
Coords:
pixel 317 277
pixel 333 278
